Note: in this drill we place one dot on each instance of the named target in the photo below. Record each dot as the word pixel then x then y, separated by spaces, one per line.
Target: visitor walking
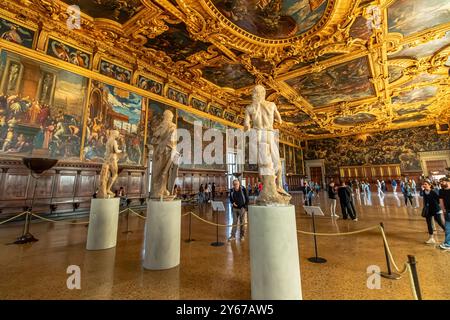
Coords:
pixel 431 209
pixel 407 193
pixel 345 197
pixel 213 190
pixel 239 202
pixel 332 194
pixel 444 195
pixel 394 186
pixel 201 194
pixel 379 188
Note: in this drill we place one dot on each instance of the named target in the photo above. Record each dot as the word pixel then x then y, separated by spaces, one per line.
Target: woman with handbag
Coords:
pixel 431 209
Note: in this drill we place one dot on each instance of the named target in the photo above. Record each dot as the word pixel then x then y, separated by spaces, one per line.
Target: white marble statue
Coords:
pixel 260 116
pixel 110 168
pixel 164 161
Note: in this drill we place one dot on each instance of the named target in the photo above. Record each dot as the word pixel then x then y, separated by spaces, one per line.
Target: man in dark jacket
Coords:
pixel 239 202
pixel 345 199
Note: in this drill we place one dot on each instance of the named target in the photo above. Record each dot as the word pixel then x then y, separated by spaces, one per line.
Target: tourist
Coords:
pixel 383 186
pixel 256 189
pixel 309 194
pixel 332 197
pixel 394 186
pixel 239 202
pixel 431 209
pixel 379 188
pixel 213 190
pixel 201 194
pixel 345 197
pixel 208 192
pixel 413 186
pixel 407 193
pixel 444 195
pixel 249 189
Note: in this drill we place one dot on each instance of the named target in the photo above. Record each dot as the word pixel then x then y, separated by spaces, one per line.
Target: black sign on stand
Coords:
pixel 313 211
pixel 217 207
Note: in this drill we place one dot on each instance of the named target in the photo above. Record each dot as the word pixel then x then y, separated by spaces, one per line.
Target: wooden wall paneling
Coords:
pixel 86 184
pixel 65 184
pixel 16 185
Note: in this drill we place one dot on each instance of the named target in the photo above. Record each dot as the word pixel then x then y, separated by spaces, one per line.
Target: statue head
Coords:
pixel 259 93
pixel 114 134
pixel 168 115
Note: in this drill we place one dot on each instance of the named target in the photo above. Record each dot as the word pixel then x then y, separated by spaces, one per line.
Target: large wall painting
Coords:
pixel 411 16
pixel 388 147
pixel 14 33
pixel 113 108
pixel 273 19
pixel 41 109
pixel 343 82
pixel 68 53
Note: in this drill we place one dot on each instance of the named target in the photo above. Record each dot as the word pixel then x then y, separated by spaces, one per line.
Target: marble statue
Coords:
pixel 110 169
pixel 164 161
pixel 262 114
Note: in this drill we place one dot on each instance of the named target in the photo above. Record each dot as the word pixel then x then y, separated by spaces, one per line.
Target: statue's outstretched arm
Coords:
pixel 246 120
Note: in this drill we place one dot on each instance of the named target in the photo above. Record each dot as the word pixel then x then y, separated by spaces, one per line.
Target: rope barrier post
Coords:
pixel 316 258
pixel 217 243
pixel 26 235
pixel 128 216
pixel 389 274
pixel 412 263
pixel 190 229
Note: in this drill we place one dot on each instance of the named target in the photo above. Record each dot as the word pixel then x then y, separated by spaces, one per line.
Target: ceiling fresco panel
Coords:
pixel 411 16
pixel 273 19
pixel 415 95
pixel 343 82
pixel 177 43
pixel 230 75
pixel 356 119
pixel 423 50
pixel 117 10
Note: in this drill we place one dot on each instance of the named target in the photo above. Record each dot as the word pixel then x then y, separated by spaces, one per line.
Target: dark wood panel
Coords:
pixel 15 186
pixel 65 184
pixel 86 185
pixel 44 186
pixel 135 182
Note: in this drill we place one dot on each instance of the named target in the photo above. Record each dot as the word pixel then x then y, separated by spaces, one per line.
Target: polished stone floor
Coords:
pixel 38 270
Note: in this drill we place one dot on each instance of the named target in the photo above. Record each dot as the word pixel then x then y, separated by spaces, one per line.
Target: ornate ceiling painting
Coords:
pixel 334 67
pixel 273 19
pixel 117 10
pixel 345 82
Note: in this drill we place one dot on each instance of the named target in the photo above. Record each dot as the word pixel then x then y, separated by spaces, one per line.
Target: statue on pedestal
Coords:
pixel 262 114
pixel 165 158
pixel 110 169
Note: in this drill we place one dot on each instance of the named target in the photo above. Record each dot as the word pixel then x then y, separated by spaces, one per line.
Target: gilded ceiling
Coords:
pixel 334 67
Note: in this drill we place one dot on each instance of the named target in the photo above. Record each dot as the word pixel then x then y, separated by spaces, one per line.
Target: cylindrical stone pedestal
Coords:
pixel 103 221
pixel 162 235
pixel 274 259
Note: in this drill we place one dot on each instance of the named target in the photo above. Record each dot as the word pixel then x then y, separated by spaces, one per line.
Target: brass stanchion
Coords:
pixel 412 263
pixel 389 274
